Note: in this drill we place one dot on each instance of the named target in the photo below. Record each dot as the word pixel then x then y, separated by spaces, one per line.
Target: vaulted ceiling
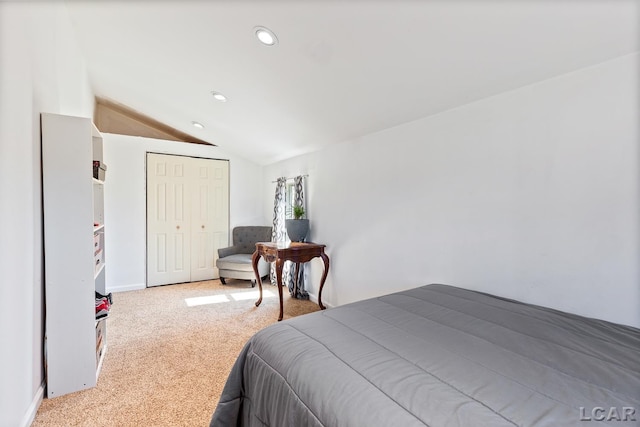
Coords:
pixel 340 69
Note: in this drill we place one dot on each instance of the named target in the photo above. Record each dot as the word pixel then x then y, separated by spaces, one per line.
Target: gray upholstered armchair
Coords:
pixel 234 262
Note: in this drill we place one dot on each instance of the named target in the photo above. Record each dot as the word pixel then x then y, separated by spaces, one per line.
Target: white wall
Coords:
pixel 532 194
pixel 125 200
pixel 41 71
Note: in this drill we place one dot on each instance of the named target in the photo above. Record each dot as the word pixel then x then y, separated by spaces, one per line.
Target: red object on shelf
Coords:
pixel 99 170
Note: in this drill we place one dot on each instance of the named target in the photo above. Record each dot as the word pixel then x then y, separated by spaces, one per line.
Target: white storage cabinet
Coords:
pixel 73 207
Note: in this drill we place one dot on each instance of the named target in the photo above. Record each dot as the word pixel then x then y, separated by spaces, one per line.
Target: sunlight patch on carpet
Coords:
pixel 239 296
pixel 236 296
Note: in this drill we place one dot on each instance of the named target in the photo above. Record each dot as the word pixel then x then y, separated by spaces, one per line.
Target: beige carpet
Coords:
pixel 166 361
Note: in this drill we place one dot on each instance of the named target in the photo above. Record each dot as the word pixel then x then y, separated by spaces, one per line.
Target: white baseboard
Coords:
pixel 314 298
pixel 30 415
pixel 125 288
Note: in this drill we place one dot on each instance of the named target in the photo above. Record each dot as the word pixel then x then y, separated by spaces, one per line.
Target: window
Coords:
pixel 289 198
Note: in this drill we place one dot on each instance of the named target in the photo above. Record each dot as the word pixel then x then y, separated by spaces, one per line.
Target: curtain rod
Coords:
pixel 290 178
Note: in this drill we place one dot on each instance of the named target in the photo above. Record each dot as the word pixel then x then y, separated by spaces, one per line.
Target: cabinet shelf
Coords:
pixel 99 271
pixel 99 368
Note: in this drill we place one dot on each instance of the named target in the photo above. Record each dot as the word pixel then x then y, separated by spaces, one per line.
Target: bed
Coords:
pixel 436 355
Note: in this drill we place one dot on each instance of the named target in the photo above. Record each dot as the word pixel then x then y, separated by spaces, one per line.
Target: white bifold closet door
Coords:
pixel 187 217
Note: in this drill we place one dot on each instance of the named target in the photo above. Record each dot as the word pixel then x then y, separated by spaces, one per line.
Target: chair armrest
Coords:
pixel 231 250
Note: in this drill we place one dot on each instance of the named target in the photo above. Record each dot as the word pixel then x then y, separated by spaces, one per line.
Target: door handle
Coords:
pixel 203 227
pixel 177 227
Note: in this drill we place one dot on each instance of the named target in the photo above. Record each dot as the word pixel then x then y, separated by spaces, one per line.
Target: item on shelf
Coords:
pixel 100 339
pixel 102 308
pixel 99 170
pixel 103 305
pixel 97 242
pixel 99 352
pixel 100 328
pixel 108 297
pixel 98 256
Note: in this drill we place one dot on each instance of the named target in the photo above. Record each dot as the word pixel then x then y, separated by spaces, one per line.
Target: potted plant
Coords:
pixel 298 227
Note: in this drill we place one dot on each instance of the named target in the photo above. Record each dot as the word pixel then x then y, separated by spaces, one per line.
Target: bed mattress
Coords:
pixel 436 355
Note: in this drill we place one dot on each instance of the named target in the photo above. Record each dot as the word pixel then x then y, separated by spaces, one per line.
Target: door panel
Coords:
pixel 220 209
pixel 210 178
pixel 168 222
pixel 161 253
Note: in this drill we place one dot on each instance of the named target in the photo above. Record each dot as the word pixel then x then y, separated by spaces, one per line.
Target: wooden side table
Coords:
pixel 295 252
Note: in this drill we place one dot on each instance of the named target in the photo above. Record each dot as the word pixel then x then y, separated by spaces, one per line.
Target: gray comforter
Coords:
pixel 436 356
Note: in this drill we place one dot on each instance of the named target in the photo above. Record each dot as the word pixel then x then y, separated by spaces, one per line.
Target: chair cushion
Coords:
pixel 240 262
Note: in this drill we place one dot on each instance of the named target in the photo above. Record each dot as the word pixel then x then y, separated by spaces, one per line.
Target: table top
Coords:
pixel 292 251
pixel 290 245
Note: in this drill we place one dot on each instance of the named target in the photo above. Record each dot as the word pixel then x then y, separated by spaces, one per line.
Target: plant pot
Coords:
pixel 297 229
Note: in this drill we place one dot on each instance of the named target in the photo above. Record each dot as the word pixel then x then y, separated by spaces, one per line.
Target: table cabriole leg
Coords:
pixel 279 265
pixel 325 259
pixel 295 282
pixel 254 262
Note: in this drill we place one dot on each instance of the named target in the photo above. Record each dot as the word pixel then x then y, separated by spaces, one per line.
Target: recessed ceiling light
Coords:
pixel 218 96
pixel 266 36
pixel 198 125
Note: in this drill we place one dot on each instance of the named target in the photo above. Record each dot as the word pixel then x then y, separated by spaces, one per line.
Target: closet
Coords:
pixel 187 217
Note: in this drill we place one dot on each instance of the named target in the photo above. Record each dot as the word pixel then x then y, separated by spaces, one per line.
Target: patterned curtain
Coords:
pixel 279 233
pixel 298 200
